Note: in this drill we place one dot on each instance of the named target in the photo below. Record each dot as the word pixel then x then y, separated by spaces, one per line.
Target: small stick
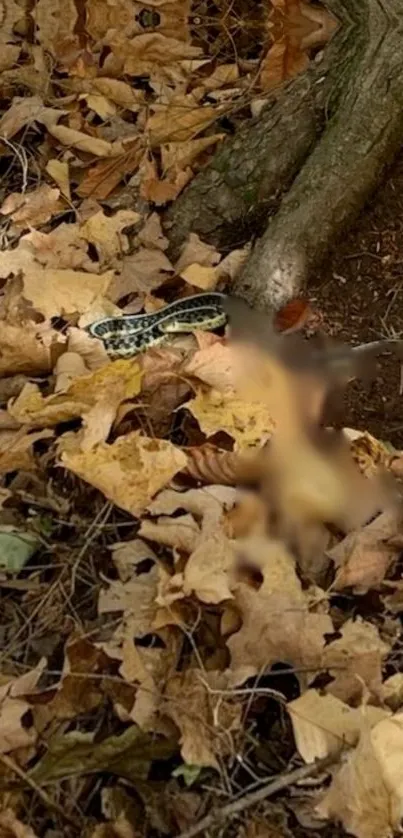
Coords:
pixel 231 809
pixel 43 795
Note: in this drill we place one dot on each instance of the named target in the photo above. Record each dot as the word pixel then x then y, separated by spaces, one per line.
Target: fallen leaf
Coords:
pixel 95 397
pixel 127 755
pixel 64 292
pixel 129 472
pixel 181 120
pixel 355 660
pixel 366 792
pixel 31 209
pixel 363 558
pixel 277 624
pixel 59 172
pixel 247 423
pixel 16 549
pixel 201 277
pixel 24 349
pixel 16 449
pixel 141 273
pixel 324 725
pixel 195 251
pixel 207 720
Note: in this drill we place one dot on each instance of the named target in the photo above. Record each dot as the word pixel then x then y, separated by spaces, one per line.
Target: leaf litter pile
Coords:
pixel 200 580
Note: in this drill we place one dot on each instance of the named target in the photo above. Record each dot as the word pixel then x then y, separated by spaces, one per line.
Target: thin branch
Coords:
pixel 233 809
pixel 43 795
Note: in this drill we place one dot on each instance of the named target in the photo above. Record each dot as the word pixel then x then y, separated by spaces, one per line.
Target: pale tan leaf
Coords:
pixel 278 614
pixel 120 92
pixel 84 142
pixel 181 533
pixel 149 53
pixel 16 449
pixel 214 366
pixel 366 793
pixel 201 277
pixel 32 209
pixel 9 56
pixel 64 292
pixel 209 571
pixel 129 472
pixel 59 172
pixel 24 111
pixel 24 349
pixel 323 725
pixel 100 105
pixel 151 235
pixel 355 660
pixel 363 558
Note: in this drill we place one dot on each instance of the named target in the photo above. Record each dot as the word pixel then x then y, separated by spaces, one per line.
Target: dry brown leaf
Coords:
pixel 149 53
pixel 69 366
pixel 129 472
pixel 59 172
pixel 13 733
pixel 207 720
pixel 101 179
pixel 120 92
pixel 180 120
pixel 84 142
pixel 161 190
pixel 176 157
pixel 277 624
pixel 31 209
pixel 323 725
pixel 355 661
pixel 366 793
pixel 363 558
pixel 141 273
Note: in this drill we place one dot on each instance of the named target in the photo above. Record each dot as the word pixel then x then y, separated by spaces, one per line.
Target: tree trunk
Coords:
pixel 325 139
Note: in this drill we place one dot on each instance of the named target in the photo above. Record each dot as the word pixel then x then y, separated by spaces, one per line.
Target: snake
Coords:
pixel 129 334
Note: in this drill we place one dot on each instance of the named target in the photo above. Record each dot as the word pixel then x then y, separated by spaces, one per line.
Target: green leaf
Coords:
pixel 16 548
pixel 190 773
pixel 128 755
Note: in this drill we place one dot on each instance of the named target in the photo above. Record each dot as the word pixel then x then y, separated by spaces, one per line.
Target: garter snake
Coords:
pixel 129 334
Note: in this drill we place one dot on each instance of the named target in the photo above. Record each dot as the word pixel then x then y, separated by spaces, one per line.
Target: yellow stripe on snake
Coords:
pixel 130 334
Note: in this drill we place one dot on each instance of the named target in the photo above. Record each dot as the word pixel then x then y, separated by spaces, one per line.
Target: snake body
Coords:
pixel 130 334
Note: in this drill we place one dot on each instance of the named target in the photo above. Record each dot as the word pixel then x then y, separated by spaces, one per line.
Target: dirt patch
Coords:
pixel 359 292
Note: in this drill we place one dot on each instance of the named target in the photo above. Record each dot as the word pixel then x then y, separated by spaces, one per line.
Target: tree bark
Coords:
pixel 310 161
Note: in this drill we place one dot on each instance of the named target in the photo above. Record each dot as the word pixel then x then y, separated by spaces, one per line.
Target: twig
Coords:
pixel 43 795
pixel 232 809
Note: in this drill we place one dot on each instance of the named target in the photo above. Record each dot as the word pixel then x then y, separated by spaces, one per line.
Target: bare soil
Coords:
pixel 359 294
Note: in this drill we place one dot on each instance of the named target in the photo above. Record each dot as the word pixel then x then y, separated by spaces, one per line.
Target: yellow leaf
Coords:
pixel 129 472
pixel 248 423
pixel 96 396
pixel 200 276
